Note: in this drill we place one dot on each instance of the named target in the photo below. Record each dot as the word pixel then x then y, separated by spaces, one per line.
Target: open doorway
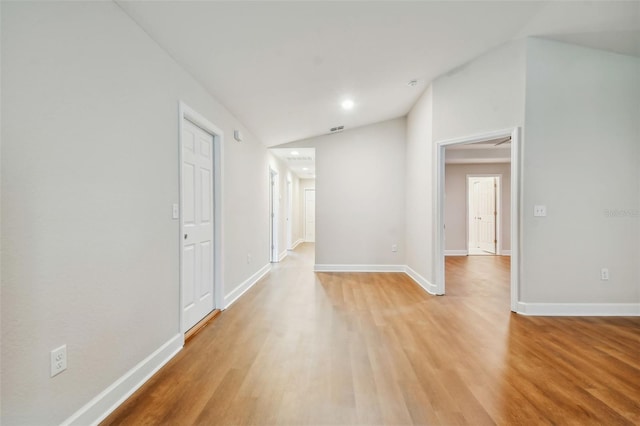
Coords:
pixel 480 151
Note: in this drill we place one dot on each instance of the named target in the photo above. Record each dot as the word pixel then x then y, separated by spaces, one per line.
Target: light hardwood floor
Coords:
pixel 355 348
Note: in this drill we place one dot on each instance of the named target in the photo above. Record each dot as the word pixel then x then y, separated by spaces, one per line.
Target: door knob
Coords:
pixel 185 236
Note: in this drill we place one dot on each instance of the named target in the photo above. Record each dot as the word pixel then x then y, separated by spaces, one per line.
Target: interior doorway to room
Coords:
pixel 200 218
pixel 483 214
pixel 310 215
pixel 480 151
pixel 273 216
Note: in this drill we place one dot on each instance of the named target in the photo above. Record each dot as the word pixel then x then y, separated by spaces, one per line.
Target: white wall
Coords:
pixel 360 194
pixel 456 219
pixel 419 178
pixel 581 160
pixel 484 95
pixel 89 174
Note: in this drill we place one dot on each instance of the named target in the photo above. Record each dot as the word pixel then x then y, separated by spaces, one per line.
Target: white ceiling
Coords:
pixel 283 68
pixel 301 161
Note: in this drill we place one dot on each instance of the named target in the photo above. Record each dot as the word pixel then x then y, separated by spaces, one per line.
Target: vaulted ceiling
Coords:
pixel 283 68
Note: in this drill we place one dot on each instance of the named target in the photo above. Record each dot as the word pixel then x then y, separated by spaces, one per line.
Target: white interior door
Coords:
pixel 482 214
pixel 197 224
pixel 273 215
pixel 289 214
pixel 310 215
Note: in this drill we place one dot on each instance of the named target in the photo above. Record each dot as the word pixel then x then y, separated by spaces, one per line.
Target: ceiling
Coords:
pixel 301 161
pixel 283 68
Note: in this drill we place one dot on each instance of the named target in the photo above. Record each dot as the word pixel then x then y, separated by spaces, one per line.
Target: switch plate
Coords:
pixel 604 274
pixel 58 360
pixel 539 211
pixel 175 214
pixel 394 248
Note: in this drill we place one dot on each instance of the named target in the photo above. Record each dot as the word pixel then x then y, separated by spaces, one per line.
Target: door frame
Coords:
pixel 498 217
pixel 516 210
pixel 274 183
pixel 187 113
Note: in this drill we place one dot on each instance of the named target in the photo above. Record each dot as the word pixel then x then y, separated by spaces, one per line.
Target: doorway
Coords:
pixel 483 214
pixel 309 215
pixel 273 216
pixel 199 211
pixel 512 136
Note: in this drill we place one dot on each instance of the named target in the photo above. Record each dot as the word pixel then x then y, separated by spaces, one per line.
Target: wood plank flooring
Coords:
pixel 363 349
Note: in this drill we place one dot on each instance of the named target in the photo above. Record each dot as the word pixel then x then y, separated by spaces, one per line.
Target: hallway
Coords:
pixel 374 348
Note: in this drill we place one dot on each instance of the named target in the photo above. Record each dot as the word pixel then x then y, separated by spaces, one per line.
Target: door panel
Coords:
pixel 197 217
pixel 310 215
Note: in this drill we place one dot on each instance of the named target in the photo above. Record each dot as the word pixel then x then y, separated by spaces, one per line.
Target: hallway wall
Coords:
pixel 89 176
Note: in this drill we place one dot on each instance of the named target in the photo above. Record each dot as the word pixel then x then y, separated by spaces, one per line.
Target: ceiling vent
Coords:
pixel 336 129
pixel 299 158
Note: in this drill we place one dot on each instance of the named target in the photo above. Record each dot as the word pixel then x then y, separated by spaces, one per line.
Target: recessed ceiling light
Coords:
pixel 295 153
pixel 347 104
pixel 305 168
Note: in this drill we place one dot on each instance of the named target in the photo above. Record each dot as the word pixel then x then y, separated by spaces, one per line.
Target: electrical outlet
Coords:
pixel 604 274
pixel 175 211
pixel 539 211
pixel 249 258
pixel 394 248
pixel 58 360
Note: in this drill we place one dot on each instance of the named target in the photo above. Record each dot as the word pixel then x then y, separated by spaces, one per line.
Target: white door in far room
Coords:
pixel 273 216
pixel 310 215
pixel 482 215
pixel 197 224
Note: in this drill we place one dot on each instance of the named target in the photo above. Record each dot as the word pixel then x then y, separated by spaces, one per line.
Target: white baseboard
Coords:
pixel 580 309
pixel 282 256
pixel 359 268
pixel 421 281
pixel 109 399
pixel 505 253
pixel 296 244
pixel 456 252
pixel 246 285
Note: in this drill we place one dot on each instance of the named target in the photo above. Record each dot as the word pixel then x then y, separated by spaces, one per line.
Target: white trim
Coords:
pixel 297 243
pixel 359 268
pixel 456 253
pixel 304 228
pixel 283 255
pixel 580 309
pixel 109 399
pixel 420 280
pixel 246 285
pixel 187 113
pixel 516 206
pixel 505 253
pixel 274 214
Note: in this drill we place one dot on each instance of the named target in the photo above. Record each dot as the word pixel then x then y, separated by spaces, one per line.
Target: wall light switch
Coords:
pixel 176 212
pixel 539 211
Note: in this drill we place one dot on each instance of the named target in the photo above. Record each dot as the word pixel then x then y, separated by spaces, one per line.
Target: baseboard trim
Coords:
pixel 421 281
pixel 109 399
pixel 246 285
pixel 580 309
pixel 296 244
pixel 282 256
pixel 456 253
pixel 359 268
pixel 505 253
